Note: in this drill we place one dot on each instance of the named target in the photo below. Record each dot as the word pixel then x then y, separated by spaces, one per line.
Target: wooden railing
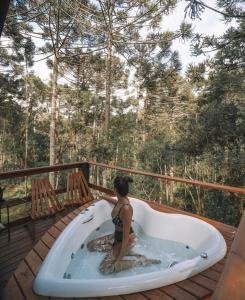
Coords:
pixel 40 170
pixel 202 184
pixel 61 167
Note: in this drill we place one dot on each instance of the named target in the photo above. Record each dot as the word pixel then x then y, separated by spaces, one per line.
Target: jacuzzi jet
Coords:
pixel 72 255
pixel 98 228
pixel 187 247
pixel 86 209
pixel 173 263
pixel 82 246
pixel 67 276
pixel 204 255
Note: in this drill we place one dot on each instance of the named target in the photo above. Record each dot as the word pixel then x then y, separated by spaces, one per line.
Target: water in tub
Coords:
pixel 85 264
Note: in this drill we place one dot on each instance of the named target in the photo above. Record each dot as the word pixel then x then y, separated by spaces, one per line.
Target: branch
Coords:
pixel 44 58
pixel 197 7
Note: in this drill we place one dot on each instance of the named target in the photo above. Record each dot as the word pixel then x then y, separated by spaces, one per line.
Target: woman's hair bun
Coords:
pixel 128 179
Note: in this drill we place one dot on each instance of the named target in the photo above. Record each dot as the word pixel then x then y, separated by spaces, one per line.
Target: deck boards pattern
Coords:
pixel 19 286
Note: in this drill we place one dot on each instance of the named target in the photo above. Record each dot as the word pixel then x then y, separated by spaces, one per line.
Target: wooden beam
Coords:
pixel 40 170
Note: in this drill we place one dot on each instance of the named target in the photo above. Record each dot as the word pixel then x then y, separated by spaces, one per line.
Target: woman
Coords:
pixel 119 244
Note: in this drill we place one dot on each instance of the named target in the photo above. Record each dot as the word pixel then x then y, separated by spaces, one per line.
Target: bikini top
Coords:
pixel 117 220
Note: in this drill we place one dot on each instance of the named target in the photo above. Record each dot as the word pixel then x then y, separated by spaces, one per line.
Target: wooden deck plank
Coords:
pixel 177 292
pixel 218 267
pixel 24 278
pixel 60 225
pixel 66 220
pixel 48 240
pixel 10 251
pixel 204 281
pixel 11 256
pixel 111 298
pixel 20 243
pixel 84 298
pixel 22 233
pixel 34 261
pixel 156 294
pixel 54 231
pixel 135 296
pixel 41 249
pixel 5 275
pixel 78 210
pixel 194 288
pixel 13 291
pixel 60 298
pixel 71 216
pixel 212 274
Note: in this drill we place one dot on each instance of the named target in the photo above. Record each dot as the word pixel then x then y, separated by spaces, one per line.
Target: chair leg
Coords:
pixel 33 234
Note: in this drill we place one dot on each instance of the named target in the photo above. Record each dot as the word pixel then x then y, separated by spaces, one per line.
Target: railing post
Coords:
pixel 85 167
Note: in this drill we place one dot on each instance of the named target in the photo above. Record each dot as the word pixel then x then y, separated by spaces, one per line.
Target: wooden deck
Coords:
pixel 19 286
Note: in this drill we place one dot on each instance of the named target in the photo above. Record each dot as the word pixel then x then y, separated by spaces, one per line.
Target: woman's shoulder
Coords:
pixel 126 208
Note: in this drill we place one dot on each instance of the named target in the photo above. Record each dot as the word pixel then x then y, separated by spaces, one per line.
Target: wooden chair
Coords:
pixel 78 191
pixel 44 201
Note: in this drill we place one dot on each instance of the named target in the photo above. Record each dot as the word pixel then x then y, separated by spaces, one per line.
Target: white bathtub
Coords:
pixel 204 238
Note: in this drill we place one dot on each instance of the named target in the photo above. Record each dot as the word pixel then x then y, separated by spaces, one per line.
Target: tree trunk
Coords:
pixel 144 134
pixel 52 153
pixel 108 72
pixel 166 185
pixel 171 194
pixel 28 101
pixel 96 98
pixel 2 144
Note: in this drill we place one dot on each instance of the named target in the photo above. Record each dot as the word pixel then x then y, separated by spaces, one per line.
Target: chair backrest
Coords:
pixel 78 191
pixel 44 199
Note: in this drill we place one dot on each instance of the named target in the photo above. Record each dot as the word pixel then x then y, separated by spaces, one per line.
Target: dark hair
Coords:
pixel 121 185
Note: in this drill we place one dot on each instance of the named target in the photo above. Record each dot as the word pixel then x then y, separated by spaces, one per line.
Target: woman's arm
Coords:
pixel 109 198
pixel 126 218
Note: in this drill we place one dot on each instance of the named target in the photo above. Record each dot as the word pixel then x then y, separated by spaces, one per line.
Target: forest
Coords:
pixel 117 95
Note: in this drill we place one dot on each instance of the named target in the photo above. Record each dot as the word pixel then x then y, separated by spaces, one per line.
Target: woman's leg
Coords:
pixel 108 265
pixel 139 261
pixel 101 244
